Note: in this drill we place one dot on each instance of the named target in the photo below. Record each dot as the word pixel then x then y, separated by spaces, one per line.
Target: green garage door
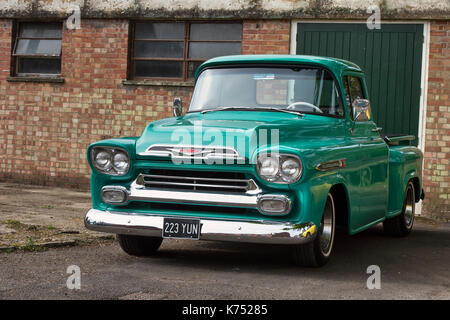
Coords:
pixel 391 57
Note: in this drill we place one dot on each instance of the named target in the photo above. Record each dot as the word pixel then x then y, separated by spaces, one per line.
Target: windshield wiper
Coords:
pixel 254 109
pixel 222 109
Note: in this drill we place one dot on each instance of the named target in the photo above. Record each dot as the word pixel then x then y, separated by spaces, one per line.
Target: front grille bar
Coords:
pixel 196 183
pixel 157 176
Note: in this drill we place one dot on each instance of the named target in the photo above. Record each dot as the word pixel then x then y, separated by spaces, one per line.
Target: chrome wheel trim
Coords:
pixel 326 231
pixel 409 206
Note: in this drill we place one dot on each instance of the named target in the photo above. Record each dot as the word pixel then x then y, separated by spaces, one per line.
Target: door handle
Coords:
pixel 377 129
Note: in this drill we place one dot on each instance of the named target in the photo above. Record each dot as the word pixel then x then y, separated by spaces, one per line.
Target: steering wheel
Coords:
pixel 303 103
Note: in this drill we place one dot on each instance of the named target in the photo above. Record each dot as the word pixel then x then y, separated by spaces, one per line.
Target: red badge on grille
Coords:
pixel 190 151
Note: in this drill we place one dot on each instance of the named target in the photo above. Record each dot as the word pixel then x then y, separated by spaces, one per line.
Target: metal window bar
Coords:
pixel 186 60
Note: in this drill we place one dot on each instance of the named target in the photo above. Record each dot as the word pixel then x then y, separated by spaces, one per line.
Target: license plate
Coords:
pixel 181 228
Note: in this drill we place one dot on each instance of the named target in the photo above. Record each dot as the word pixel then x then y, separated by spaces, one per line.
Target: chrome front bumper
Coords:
pixel 211 229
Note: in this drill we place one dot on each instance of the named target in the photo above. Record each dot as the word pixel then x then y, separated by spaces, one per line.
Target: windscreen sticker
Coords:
pixel 264 76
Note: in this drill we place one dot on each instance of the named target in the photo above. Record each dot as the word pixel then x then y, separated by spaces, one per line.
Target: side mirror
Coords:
pixel 361 110
pixel 177 107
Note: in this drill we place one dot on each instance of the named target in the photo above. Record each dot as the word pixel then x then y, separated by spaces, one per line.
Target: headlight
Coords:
pixel 279 168
pixel 269 168
pixel 290 170
pixel 121 162
pixel 103 161
pixel 109 160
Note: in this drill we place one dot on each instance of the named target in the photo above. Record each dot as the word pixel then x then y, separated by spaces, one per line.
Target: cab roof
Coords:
pixel 335 65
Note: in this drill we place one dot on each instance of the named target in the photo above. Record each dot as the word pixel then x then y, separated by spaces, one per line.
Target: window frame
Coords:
pixel 15 57
pixel 185 60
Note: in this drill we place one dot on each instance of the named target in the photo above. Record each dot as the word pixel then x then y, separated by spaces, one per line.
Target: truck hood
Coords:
pixel 243 131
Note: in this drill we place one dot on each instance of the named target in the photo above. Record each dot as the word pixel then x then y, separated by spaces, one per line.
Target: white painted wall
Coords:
pixel 247 8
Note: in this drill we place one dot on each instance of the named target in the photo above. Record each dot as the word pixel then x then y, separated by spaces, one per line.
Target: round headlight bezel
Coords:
pixel 111 169
pixel 125 160
pixel 281 177
pixel 274 162
pixel 290 178
pixel 105 156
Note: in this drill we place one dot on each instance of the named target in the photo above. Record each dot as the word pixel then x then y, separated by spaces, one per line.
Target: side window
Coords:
pixel 353 91
pixel 355 88
pixel 347 93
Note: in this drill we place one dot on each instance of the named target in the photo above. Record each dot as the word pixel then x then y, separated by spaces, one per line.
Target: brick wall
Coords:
pixel 45 128
pixel 264 37
pixel 437 143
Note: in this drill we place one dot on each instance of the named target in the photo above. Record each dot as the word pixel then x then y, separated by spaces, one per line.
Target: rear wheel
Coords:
pixel 139 245
pixel 317 252
pixel 401 225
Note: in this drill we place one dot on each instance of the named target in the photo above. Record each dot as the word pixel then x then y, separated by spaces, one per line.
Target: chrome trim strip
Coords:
pixel 331 165
pixel 193 197
pixel 172 152
pixel 257 231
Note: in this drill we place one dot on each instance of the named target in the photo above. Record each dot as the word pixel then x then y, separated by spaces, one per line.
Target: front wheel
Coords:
pixel 401 225
pixel 317 252
pixel 139 245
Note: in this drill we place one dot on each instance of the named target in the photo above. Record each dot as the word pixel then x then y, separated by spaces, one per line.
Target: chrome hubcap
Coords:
pixel 409 207
pixel 326 232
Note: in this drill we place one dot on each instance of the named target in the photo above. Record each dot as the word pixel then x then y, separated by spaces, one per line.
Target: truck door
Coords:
pixel 373 164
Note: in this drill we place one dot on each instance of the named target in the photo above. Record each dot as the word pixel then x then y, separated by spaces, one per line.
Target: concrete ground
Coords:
pixel 415 267
pixel 32 217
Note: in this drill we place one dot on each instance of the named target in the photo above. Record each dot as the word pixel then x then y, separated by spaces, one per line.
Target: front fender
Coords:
pixel 99 179
pixel 312 195
pixel 313 187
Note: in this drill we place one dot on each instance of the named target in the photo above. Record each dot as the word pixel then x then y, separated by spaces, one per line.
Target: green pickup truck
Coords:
pixel 276 149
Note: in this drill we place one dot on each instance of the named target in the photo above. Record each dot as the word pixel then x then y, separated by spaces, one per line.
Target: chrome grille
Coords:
pixel 197 181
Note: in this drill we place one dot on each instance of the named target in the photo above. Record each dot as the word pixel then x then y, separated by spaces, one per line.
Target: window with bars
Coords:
pixel 37 49
pixel 174 50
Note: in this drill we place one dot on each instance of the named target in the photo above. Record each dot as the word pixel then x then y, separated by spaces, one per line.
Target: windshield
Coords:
pixel 299 89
